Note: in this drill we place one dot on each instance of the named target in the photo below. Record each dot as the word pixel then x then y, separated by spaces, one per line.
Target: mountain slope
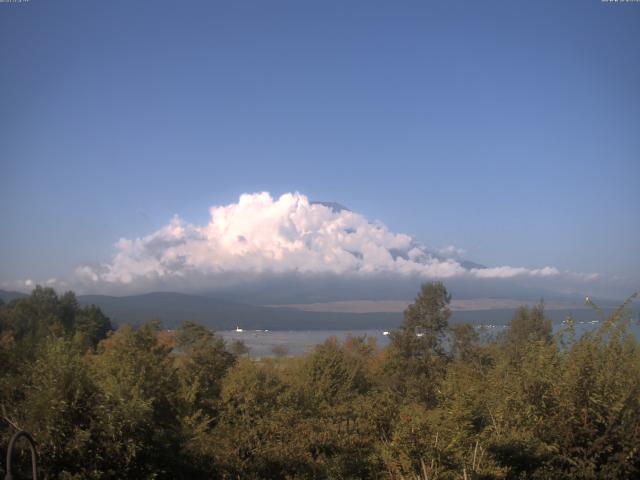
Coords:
pixel 174 308
pixel 6 295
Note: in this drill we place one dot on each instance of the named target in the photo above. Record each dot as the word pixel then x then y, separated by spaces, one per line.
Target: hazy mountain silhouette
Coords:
pixel 6 295
pixel 173 308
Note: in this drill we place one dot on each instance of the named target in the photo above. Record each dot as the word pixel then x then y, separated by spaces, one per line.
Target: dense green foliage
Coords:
pixel 435 404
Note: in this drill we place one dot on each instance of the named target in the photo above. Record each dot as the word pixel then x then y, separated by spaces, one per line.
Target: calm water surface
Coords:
pixel 261 343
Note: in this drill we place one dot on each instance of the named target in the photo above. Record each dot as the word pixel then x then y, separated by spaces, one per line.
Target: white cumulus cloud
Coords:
pixel 260 234
pixel 508 272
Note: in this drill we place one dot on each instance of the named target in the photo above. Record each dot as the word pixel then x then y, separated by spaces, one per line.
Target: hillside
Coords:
pixel 7 296
pixel 173 308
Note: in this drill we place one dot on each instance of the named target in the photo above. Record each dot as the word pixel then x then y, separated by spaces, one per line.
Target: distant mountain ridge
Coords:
pixel 334 206
pixel 395 253
pixel 7 295
pixel 173 308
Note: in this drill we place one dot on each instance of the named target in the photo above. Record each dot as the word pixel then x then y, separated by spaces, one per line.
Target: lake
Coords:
pixel 261 343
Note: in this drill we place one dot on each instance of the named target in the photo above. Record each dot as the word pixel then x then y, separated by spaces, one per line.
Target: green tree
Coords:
pixel 92 325
pixel 464 341
pixel 425 321
pixel 416 359
pixel 43 313
pixel 56 405
pixel 528 325
pixel 330 376
pixel 239 348
pixel 202 365
pixel 35 317
pixel 137 418
pixel 331 389
pixel 252 438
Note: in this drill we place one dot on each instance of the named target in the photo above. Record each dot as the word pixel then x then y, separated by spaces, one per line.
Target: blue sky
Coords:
pixel 508 129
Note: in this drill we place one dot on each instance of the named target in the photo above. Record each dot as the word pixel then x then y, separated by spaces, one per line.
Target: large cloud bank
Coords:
pixel 263 235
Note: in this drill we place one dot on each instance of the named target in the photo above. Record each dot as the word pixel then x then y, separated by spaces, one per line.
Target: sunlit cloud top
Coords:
pixel 260 234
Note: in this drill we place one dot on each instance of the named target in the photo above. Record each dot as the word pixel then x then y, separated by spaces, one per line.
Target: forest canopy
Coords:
pixel 437 403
